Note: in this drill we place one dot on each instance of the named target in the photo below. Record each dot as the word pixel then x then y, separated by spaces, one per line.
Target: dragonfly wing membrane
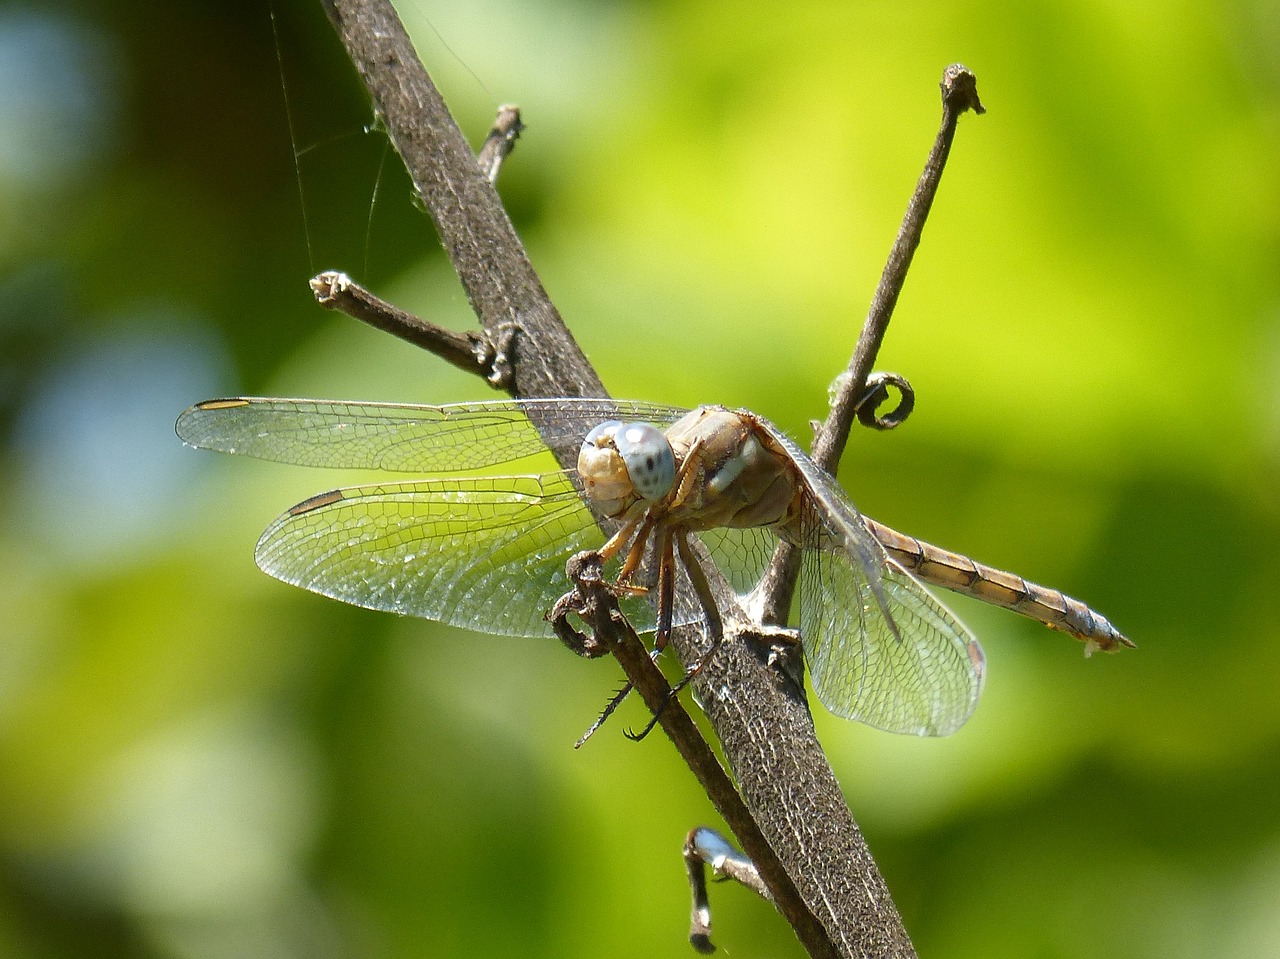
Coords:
pixel 400 437
pixel 881 648
pixel 482 553
pixel 907 666
pixel 742 555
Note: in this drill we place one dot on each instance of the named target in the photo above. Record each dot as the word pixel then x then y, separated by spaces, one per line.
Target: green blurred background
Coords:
pixel 197 761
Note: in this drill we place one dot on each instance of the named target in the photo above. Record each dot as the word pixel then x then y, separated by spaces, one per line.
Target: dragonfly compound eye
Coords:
pixel 624 463
pixel 603 472
pixel 648 457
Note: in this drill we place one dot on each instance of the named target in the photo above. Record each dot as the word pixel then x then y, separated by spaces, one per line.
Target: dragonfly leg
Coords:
pixel 666 591
pixel 686 478
pixel 635 555
pixel 715 630
pixel 613 704
pixel 666 600
pixel 641 527
pixel 715 626
pixel 618 540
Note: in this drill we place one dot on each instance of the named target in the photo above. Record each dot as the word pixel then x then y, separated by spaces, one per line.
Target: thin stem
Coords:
pixel 705 847
pixel 470 352
pixel 959 93
pixel 500 141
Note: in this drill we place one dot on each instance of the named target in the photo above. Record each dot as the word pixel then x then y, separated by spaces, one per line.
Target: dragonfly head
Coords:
pixel 623 463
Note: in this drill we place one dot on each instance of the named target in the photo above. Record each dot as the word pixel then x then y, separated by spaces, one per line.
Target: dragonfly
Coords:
pixel 488 553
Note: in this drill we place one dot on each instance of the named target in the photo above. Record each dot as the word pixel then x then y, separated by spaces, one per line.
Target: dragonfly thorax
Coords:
pixel 622 464
pixel 743 477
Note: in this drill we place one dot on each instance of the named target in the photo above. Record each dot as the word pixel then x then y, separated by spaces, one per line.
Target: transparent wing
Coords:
pixel 485 553
pixel 881 648
pixel 908 666
pixel 401 437
pixel 741 554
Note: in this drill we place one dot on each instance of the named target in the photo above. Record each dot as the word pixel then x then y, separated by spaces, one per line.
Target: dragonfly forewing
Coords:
pixel 402 438
pixel 483 553
pixel 479 553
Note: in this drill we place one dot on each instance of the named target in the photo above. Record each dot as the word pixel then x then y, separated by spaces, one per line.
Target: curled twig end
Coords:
pixel 877 394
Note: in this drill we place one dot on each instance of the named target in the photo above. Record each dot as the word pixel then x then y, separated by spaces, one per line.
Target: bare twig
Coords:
pixel 868 408
pixel 500 283
pixel 509 300
pixel 705 847
pixel 470 352
pixel 500 141
pixel 853 395
pixel 869 908
pixel 959 93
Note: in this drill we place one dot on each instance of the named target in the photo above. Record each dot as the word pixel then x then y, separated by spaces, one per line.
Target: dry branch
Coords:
pixel 800 832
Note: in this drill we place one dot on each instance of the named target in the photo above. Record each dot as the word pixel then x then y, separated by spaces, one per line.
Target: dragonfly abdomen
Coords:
pixel 953 571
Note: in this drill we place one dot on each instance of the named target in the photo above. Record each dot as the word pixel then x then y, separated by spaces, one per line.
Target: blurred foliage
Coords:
pixel 196 761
